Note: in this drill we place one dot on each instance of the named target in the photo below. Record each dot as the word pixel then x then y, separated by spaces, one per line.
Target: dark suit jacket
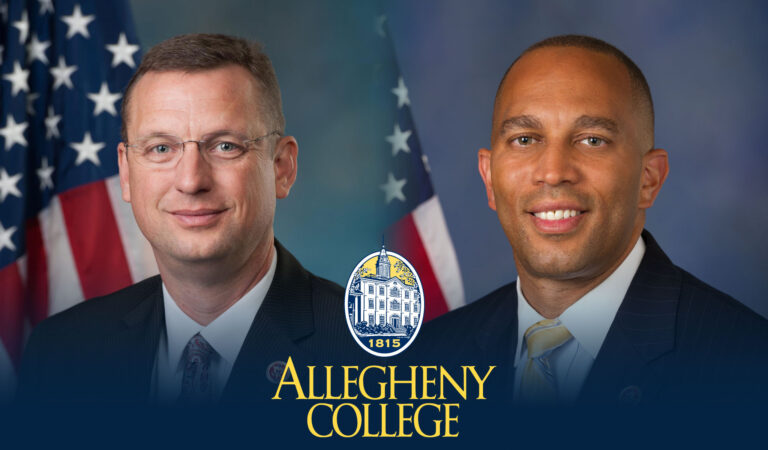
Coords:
pixel 674 340
pixel 103 350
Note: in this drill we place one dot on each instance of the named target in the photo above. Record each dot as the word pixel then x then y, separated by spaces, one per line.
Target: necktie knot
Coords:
pixel 198 350
pixel 544 336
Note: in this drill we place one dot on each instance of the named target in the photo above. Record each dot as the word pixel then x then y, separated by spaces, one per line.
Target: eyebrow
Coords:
pixel 596 122
pixel 584 121
pixel 524 121
pixel 205 137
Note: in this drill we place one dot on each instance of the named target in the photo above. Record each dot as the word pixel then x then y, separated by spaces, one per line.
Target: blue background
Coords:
pixel 704 60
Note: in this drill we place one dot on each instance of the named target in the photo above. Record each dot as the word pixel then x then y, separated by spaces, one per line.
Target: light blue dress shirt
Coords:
pixel 225 335
pixel 588 320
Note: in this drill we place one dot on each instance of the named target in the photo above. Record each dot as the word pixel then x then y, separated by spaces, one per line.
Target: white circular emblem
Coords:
pixel 385 303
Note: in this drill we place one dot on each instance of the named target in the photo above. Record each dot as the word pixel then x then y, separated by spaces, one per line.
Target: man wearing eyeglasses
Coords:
pixel 203 159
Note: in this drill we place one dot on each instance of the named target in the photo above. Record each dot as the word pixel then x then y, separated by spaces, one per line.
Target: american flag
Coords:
pixel 418 230
pixel 65 233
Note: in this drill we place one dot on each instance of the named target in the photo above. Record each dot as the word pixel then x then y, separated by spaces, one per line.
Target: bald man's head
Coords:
pixel 572 168
pixel 641 92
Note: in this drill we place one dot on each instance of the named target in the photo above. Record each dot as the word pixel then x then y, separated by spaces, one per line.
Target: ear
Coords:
pixel 484 166
pixel 285 162
pixel 122 164
pixel 655 171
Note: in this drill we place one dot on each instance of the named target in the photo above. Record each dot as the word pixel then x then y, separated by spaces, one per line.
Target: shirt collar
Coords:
pixel 227 332
pixel 589 318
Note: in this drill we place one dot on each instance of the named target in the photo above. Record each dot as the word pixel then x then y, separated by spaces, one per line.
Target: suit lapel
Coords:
pixel 628 365
pixel 284 319
pixel 496 344
pixel 137 345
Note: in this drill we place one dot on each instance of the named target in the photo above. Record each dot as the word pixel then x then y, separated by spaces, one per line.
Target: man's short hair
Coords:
pixel 640 89
pixel 199 52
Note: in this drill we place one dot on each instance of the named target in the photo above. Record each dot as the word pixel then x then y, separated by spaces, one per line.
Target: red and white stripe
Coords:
pixel 422 238
pixel 84 244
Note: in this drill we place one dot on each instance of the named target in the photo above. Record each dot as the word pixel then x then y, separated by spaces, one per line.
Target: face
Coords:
pixel 570 170
pixel 196 212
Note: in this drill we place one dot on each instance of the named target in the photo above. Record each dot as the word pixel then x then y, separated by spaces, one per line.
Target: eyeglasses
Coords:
pixel 164 151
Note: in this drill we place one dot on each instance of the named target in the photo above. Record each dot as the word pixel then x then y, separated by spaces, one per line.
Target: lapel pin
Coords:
pixel 275 371
pixel 631 395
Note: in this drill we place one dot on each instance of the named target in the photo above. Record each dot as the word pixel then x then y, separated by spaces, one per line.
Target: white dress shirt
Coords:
pixel 588 320
pixel 225 334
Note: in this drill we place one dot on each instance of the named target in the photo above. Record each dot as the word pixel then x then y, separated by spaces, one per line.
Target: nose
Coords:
pixel 193 173
pixel 556 164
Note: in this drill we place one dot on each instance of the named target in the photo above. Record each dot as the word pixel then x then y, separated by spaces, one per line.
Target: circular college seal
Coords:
pixel 385 303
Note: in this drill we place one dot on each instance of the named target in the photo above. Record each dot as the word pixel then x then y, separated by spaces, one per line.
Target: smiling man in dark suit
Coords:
pixel 598 312
pixel 203 161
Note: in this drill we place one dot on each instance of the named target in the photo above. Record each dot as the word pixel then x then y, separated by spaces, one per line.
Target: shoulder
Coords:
pixel 327 302
pixel 294 279
pixel 100 313
pixel 481 311
pixel 481 317
pixel 704 307
pixel 703 312
pixel 469 333
pixel 332 337
pixel 69 343
pixel 325 289
pixel 313 303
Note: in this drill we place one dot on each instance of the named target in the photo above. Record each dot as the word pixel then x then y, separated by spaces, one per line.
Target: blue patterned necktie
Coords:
pixel 197 382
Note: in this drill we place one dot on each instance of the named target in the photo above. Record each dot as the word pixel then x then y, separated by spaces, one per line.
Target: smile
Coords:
pixel 557 219
pixel 558 214
pixel 197 218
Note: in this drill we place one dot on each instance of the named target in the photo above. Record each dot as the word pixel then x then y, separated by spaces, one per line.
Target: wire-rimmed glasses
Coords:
pixel 164 150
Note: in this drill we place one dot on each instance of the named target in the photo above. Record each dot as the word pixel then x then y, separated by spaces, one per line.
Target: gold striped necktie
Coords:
pixel 542 338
